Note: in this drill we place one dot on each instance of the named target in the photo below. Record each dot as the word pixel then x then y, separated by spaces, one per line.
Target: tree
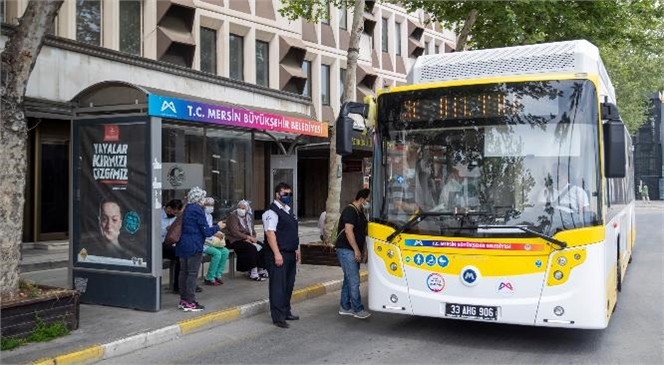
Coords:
pixel 18 60
pixel 313 11
pixel 629 34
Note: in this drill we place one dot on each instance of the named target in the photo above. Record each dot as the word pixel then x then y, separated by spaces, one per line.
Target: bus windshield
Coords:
pixel 489 155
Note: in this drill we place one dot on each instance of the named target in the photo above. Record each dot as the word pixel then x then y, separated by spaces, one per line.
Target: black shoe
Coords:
pixel 198 289
pixel 292 318
pixel 282 324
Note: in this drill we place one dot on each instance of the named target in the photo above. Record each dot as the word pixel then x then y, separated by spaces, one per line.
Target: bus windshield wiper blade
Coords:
pixel 416 219
pixel 543 236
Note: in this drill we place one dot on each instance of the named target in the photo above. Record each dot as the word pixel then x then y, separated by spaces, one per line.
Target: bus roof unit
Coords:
pixel 577 56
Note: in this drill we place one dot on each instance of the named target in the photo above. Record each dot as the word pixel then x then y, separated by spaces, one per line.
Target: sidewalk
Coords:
pixel 106 332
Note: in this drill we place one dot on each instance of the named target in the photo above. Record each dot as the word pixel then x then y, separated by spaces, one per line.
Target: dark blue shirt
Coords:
pixel 288 239
pixel 195 229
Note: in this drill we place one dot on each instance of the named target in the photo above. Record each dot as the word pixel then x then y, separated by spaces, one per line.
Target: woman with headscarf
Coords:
pixel 189 249
pixel 242 239
pixel 214 247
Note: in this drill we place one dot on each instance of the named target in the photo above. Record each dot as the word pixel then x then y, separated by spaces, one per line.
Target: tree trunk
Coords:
pixel 18 60
pixel 332 204
pixel 462 39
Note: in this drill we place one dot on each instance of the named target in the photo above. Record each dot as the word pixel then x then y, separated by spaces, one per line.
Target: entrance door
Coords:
pixel 51 189
pixel 284 169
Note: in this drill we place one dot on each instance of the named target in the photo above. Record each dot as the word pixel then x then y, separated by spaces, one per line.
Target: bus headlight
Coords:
pixel 558 275
pixel 393 266
pixel 562 261
pixel 558 310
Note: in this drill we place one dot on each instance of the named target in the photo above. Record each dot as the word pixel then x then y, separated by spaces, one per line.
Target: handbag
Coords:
pixel 215 241
pixel 174 231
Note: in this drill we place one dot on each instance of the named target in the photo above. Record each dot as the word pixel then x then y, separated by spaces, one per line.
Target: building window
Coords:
pixel 88 21
pixel 385 38
pixel 325 19
pixel 262 63
pixel 2 10
pixel 426 48
pixel 130 26
pixel 306 67
pixel 343 18
pixel 236 57
pixel 436 49
pixel 397 38
pixel 208 50
pixel 342 82
pixel 325 84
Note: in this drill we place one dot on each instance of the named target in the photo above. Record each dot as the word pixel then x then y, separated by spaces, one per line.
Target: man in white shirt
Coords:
pixel 452 194
pixel 568 198
pixel 281 234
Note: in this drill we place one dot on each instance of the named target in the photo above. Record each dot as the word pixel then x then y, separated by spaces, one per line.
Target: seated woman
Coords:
pixel 242 238
pixel 214 248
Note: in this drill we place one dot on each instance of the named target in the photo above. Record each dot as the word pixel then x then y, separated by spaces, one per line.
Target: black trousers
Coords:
pixel 282 281
pixel 188 276
pixel 248 257
pixel 168 252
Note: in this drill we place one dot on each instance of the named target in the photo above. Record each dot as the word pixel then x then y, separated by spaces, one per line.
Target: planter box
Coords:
pixel 19 317
pixel 318 254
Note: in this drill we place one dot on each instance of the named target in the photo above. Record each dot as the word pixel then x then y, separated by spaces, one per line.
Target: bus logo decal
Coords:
pixel 469 276
pixel 435 283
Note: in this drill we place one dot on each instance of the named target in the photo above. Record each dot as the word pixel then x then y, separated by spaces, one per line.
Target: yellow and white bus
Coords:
pixel 502 188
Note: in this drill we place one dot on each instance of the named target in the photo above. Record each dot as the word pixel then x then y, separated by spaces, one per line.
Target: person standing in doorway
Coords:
pixel 644 193
pixel 281 234
pixel 350 248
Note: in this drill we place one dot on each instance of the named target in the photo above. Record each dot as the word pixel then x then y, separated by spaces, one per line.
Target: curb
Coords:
pixel 143 340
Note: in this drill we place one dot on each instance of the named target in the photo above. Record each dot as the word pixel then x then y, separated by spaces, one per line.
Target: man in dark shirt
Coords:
pixel 350 244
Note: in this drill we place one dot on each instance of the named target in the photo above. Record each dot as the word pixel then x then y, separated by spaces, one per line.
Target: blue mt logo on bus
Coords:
pixel 469 276
pixel 504 246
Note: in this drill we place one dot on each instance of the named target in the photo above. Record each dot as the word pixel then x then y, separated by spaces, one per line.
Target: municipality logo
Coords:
pixel 469 276
pixel 168 105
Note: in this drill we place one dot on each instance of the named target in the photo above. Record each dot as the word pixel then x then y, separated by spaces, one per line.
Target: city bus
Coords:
pixel 502 188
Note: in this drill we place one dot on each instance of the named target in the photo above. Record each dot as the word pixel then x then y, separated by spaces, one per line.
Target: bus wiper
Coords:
pixel 415 220
pixel 543 236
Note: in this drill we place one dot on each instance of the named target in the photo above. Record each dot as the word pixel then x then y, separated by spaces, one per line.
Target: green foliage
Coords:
pixel 311 10
pixel 11 343
pixel 43 332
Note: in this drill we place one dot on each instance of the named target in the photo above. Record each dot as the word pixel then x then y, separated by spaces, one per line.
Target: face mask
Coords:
pixel 241 212
pixel 366 206
pixel 170 215
pixel 286 199
pixel 209 210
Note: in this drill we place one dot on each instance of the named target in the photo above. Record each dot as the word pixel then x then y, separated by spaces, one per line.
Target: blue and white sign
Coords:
pixel 469 276
pixel 431 260
pixel 443 261
pixel 419 259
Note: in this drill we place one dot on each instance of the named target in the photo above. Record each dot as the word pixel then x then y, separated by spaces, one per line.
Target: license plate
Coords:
pixel 471 311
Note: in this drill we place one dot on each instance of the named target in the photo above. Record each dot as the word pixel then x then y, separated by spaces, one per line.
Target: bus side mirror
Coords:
pixel 344 127
pixel 344 140
pixel 615 155
pixel 610 112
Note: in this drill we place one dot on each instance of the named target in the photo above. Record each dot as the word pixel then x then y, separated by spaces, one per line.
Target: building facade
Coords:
pixel 223 54
pixel 648 152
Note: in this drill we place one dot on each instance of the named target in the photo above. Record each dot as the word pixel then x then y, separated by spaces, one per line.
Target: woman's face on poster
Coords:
pixel 110 221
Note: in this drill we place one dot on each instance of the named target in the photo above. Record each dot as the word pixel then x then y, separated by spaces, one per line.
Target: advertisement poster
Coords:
pixel 113 207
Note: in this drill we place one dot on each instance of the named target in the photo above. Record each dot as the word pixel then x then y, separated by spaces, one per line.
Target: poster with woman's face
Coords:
pixel 113 207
